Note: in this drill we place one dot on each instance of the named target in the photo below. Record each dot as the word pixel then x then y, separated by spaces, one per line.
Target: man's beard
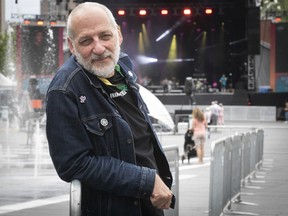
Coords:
pixel 100 69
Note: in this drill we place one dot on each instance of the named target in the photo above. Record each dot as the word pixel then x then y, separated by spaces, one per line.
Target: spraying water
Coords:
pixel 32 58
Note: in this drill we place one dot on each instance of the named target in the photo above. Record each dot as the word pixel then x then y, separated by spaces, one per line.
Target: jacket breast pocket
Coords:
pixel 101 133
pixel 98 125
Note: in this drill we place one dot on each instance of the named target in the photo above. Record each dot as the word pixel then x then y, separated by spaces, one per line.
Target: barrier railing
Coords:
pixel 232 113
pixel 172 155
pixel 173 159
pixel 234 161
pixel 75 198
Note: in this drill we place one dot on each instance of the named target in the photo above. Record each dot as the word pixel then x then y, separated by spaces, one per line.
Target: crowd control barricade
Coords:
pixel 216 178
pixel 234 159
pixel 172 155
pixel 173 159
pixel 252 154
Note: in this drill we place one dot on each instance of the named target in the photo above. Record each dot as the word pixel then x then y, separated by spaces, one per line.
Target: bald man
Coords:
pixel 98 128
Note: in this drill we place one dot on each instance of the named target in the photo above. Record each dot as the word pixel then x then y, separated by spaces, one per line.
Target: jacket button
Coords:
pixel 136 202
pixel 129 141
pixel 104 122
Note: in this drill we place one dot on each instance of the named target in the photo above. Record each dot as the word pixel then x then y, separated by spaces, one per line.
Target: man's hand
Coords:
pixel 161 197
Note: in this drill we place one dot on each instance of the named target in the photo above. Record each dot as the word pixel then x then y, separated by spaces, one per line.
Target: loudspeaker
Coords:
pixel 253 30
pixel 281 47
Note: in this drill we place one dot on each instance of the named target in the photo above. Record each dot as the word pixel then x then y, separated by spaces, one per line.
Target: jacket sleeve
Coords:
pixel 72 153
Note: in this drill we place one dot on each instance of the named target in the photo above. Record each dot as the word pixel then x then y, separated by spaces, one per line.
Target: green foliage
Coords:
pixel 3 51
pixel 284 4
pixel 278 8
pixel 8 51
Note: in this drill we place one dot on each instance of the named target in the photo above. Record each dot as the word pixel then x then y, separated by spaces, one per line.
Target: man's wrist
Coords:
pixel 147 182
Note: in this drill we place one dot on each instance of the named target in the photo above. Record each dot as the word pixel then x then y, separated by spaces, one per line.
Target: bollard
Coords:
pixel 75 198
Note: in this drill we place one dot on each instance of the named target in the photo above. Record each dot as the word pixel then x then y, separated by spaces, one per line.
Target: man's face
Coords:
pixel 96 43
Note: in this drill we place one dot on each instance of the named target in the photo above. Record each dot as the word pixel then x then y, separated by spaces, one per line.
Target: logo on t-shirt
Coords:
pixel 118 94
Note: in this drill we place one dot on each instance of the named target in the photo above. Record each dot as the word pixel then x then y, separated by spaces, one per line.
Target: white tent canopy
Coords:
pixel 156 109
pixel 6 83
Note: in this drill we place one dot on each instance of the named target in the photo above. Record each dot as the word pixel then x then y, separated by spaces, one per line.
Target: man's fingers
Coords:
pixel 167 205
pixel 161 196
pixel 161 202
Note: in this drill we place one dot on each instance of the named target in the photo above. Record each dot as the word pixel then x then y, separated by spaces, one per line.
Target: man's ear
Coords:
pixel 71 46
pixel 120 37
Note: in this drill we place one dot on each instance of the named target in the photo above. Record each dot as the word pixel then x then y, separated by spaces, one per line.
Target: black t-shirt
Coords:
pixel 144 150
pixel 128 109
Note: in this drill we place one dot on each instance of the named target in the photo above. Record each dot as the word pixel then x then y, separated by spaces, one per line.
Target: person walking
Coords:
pixel 207 114
pixel 215 108
pixel 98 128
pixel 199 126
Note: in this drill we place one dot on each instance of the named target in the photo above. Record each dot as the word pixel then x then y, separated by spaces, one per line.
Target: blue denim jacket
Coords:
pixel 90 141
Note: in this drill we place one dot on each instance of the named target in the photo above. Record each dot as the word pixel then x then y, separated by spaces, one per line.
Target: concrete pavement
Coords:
pixel 30 186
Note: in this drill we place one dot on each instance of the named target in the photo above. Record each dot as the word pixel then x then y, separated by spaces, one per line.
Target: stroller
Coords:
pixel 189 146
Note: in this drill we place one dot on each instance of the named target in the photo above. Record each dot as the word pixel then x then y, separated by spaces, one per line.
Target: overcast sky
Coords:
pixel 23 7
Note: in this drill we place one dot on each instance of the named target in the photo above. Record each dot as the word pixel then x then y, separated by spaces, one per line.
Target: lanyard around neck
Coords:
pixel 120 86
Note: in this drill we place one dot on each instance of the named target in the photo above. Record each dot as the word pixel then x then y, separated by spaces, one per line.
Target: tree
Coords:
pixel 273 8
pixel 3 51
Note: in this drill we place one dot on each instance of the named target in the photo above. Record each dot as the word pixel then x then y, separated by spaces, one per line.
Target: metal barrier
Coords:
pixel 172 155
pixel 253 154
pixel 234 160
pixel 173 160
pixel 75 198
pixel 231 113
